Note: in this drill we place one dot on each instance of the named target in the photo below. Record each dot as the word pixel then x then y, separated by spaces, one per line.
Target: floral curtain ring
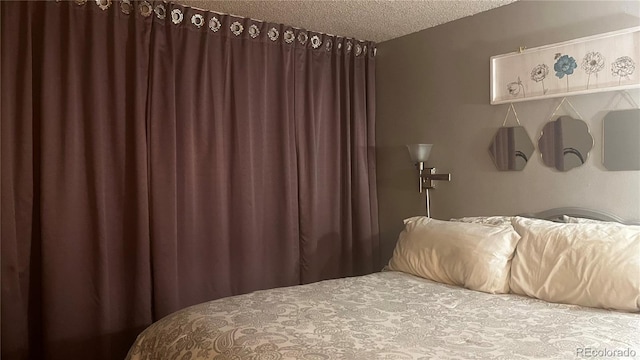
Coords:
pixel 364 50
pixel 315 41
pixel 328 45
pixel 237 28
pixel 125 7
pixel 339 47
pixel 161 11
pixel 303 37
pixel 289 36
pixel 197 20
pixel 358 49
pixel 103 4
pixel 176 16
pixel 349 46
pixel 214 24
pixel 80 2
pixel 273 34
pixel 253 31
pixel 145 8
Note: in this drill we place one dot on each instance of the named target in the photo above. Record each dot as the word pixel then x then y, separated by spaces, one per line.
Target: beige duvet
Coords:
pixel 388 315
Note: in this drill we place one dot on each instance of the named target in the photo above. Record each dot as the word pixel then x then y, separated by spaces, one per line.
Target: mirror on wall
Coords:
pixel 511 148
pixel 565 143
pixel 621 147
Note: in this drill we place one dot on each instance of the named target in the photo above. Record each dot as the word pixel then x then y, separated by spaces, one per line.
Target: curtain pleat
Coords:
pixel 152 160
pixel 19 231
pixel 335 118
pixel 223 171
pixel 74 173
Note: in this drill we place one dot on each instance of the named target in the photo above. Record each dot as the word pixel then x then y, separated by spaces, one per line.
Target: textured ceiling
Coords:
pixel 376 20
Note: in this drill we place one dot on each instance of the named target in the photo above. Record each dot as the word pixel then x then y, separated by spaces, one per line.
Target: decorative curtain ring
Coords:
pixel 273 34
pixel 103 4
pixel 214 24
pixel 197 20
pixel 289 36
pixel 145 8
pixel 125 7
pixel 302 37
pixel 237 28
pixel 253 31
pixel 328 44
pixel 315 41
pixel 161 11
pixel 176 16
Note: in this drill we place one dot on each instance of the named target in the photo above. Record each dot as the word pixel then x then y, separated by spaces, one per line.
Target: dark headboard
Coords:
pixel 557 213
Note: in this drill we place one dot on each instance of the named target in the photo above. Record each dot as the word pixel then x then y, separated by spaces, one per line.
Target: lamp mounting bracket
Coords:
pixel 429 175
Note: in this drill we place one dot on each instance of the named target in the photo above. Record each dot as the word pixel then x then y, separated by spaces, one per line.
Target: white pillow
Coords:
pixel 576 220
pixel 475 256
pixel 594 264
pixel 488 220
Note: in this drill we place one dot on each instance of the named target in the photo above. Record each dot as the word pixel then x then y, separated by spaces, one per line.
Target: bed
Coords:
pixel 388 315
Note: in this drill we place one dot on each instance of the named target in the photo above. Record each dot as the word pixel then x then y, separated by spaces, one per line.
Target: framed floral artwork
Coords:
pixel 604 62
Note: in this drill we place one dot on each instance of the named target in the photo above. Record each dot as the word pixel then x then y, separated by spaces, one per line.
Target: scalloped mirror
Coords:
pixel 511 148
pixel 565 143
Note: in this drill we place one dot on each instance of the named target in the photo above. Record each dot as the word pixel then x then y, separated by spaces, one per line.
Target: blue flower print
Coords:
pixel 564 66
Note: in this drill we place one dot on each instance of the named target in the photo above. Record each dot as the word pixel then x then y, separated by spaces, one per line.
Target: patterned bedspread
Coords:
pixel 387 315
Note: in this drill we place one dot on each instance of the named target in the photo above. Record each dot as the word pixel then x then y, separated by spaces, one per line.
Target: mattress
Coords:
pixel 387 315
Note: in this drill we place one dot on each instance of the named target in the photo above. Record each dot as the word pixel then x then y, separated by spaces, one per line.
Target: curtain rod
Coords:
pixel 263 21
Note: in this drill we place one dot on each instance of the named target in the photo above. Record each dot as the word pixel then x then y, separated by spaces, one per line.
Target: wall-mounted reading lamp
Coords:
pixel 419 154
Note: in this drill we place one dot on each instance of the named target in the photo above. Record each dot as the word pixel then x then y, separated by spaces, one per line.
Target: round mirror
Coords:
pixel 511 148
pixel 565 143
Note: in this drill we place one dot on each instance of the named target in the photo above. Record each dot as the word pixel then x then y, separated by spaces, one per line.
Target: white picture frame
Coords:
pixel 604 62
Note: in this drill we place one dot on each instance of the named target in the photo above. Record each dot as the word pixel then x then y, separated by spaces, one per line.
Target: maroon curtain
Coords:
pixel 156 156
pixel 334 115
pixel 223 162
pixel 75 222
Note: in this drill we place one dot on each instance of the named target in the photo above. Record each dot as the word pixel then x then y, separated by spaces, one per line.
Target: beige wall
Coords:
pixel 433 87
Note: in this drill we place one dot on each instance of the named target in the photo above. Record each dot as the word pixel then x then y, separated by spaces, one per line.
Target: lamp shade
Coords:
pixel 419 152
